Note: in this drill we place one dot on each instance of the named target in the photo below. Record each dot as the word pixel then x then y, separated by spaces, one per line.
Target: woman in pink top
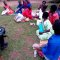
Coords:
pixel 53 15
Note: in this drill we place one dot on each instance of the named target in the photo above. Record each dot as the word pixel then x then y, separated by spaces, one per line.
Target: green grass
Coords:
pixel 20 38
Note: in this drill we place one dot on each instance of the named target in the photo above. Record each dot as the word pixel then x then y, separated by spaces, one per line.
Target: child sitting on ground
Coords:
pixel 25 16
pixel 19 8
pixel 53 15
pixel 46 26
pixel 50 50
pixel 7 10
pixel 42 8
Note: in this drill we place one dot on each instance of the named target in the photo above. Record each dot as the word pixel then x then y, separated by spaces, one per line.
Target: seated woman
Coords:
pixel 19 8
pixel 45 30
pixel 51 49
pixel 53 15
pixel 7 10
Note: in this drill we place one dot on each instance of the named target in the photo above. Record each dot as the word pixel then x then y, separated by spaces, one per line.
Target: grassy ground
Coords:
pixel 20 38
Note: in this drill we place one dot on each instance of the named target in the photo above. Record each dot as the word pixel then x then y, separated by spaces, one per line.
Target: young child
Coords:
pixel 53 15
pixel 25 16
pixel 28 12
pixel 7 10
pixel 19 8
pixel 47 28
pixel 41 9
pixel 43 6
pixel 51 49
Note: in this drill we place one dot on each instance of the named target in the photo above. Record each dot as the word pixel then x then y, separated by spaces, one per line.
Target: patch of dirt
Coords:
pixel 15 55
pixel 29 40
pixel 17 34
pixel 28 46
pixel 27 51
